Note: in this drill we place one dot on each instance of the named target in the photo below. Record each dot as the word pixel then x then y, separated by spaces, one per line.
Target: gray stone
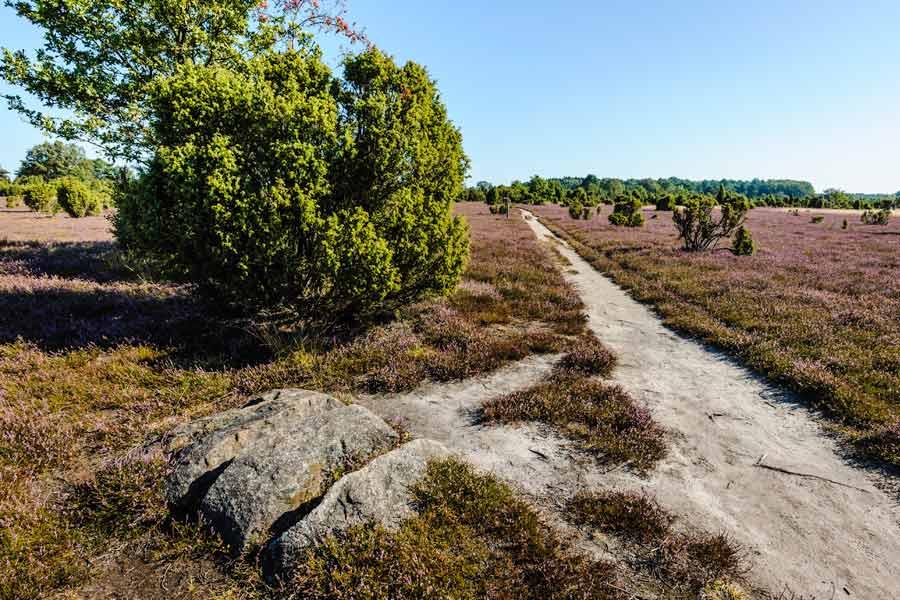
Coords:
pixel 205 446
pixel 282 471
pixel 378 493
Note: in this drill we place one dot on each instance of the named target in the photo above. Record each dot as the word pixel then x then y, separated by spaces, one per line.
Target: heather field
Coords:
pixel 817 308
pixel 96 361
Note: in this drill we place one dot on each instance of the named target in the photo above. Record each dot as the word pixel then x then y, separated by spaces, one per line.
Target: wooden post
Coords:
pixel 507 207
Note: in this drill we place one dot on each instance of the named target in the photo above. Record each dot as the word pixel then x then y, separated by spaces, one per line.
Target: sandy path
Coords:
pixel 813 536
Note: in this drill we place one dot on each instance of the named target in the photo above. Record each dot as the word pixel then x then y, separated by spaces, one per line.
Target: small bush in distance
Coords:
pixel 817 219
pixel 744 245
pixel 876 217
pixel 665 202
pixel 575 210
pixel 40 196
pixel 627 212
pixel 77 198
pixel 586 213
pixel 699 229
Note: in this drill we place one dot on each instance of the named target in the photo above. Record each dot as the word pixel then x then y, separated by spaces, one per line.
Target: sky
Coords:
pixel 695 89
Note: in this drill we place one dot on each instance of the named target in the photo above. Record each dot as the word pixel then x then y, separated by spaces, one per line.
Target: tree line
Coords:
pixel 593 191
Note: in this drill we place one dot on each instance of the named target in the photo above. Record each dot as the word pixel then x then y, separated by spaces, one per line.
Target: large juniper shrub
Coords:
pixel 277 185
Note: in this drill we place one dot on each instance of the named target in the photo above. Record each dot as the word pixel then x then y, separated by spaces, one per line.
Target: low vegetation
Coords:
pixel 93 361
pixel 471 539
pixel 689 564
pixel 603 418
pixel 812 309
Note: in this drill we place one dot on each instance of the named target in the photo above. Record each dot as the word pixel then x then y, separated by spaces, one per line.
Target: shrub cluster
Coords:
pixel 876 217
pixel 277 185
pixel 627 212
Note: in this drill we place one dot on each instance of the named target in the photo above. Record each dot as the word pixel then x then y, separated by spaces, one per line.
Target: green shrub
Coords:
pixel 665 202
pixel 575 210
pixel 844 225
pixel 627 212
pixel 77 198
pixel 586 213
pixel 278 186
pixel 744 245
pixel 817 219
pixel 698 229
pixel 40 196
pixel 876 217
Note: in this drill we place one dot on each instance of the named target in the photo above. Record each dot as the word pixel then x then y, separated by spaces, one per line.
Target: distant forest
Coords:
pixel 592 190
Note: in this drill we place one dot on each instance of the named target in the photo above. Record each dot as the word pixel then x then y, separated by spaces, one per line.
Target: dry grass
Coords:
pixel 601 417
pixel 94 361
pixel 687 564
pixel 472 539
pixel 816 308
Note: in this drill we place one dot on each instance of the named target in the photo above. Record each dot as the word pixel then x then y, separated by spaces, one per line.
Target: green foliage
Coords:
pixel 471 539
pixel 77 198
pixel 697 227
pixel 876 217
pixel 744 245
pixel 277 185
pixel 575 210
pixel 99 59
pixel 665 202
pixel 40 195
pixel 627 211
pixel 52 160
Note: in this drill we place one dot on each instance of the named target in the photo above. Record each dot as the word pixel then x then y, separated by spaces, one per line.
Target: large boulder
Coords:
pixel 378 493
pixel 205 446
pixel 285 469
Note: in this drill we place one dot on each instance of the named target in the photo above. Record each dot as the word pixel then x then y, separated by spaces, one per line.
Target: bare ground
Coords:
pixel 819 527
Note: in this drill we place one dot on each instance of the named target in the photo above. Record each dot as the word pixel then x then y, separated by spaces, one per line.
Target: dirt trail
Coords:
pixel 827 539
pixel 813 536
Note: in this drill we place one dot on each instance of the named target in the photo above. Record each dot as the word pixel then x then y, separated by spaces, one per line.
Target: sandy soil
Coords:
pixel 837 538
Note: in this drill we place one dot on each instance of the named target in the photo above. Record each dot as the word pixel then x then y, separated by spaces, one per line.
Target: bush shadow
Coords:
pixel 73 295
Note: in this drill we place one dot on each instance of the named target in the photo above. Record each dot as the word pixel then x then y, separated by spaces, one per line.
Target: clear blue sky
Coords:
pixel 776 89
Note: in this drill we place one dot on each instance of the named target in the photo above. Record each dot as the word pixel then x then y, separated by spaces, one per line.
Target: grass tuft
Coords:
pixel 589 356
pixel 602 417
pixel 634 516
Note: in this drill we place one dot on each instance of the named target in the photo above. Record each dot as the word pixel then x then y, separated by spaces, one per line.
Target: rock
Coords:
pixel 280 472
pixel 205 446
pixel 378 493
